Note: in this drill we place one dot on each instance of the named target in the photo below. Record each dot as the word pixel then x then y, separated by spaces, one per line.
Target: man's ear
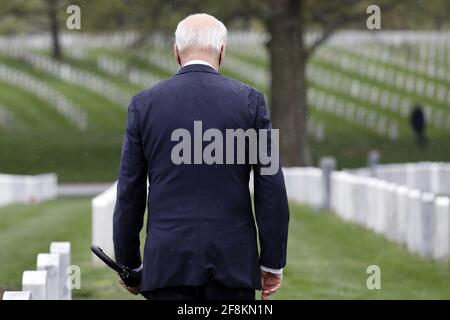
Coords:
pixel 221 55
pixel 177 54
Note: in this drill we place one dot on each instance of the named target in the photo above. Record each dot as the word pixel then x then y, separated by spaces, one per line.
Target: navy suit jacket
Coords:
pixel 200 225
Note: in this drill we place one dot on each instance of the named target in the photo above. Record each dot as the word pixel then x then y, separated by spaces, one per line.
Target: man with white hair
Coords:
pixel 201 235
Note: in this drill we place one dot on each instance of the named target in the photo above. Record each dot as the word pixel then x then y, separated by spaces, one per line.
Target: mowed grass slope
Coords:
pixel 327 258
pixel 46 142
pixel 42 140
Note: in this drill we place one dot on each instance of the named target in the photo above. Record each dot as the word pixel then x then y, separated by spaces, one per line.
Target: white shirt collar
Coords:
pixel 198 62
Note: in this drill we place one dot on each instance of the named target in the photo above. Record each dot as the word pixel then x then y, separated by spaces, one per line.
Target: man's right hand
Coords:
pixel 270 284
pixel 133 290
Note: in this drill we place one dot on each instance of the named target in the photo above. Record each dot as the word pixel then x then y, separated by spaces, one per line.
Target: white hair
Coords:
pixel 211 35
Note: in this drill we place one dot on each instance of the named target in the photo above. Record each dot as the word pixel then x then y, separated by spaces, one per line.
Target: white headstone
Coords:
pixel 441 239
pixel 63 249
pixel 423 177
pixel 390 212
pixel 50 262
pixel 36 283
pixel 102 222
pixel 16 295
pixel 328 165
pixel 360 200
pixel 382 206
pixel 372 200
pixel 373 160
pixel 426 225
pixel 402 210
pixel 414 229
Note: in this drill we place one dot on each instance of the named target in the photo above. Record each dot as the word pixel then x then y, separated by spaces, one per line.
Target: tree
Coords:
pixel 287 22
pixel 39 14
pixel 51 8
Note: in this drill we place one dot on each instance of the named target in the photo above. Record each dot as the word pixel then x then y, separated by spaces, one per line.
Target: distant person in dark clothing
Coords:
pixel 418 124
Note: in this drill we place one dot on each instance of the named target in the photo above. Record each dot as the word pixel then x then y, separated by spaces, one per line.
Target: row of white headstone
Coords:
pixel 420 221
pixel 369 119
pixel 27 189
pixel 305 185
pixel 50 280
pixel 419 63
pixel 58 101
pixel 371 94
pixel 247 71
pixel 374 94
pixel 366 92
pixel 42 41
pixel 347 38
pixel 316 129
pixel 118 67
pixel 160 60
pixel 431 177
pixel 71 74
pixel 6 118
pixel 372 65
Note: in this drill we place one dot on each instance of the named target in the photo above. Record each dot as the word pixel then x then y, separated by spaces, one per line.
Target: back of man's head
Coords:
pixel 202 32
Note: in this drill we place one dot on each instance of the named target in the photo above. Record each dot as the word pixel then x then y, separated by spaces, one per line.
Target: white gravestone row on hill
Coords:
pixel 27 189
pixel 412 65
pixel 427 50
pixel 370 119
pixel 258 76
pixel 70 40
pixel 160 60
pixel 387 98
pixel 71 74
pixel 50 279
pixel 367 93
pixel 117 67
pixel 39 88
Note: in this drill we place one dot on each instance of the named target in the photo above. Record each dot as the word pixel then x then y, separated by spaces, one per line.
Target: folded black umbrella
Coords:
pixel 130 278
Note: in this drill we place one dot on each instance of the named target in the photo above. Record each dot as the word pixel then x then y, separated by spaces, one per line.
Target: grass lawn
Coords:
pixel 327 258
pixel 74 156
pixel 41 140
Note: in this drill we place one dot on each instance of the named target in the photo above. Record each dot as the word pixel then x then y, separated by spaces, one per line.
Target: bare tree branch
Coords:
pixel 323 38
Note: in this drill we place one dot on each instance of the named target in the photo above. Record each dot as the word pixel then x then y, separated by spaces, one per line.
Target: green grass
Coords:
pixel 26 231
pixel 30 109
pixel 74 156
pixel 327 258
pixel 44 141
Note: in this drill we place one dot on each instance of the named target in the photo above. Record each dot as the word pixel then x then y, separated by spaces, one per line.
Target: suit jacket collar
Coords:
pixel 196 68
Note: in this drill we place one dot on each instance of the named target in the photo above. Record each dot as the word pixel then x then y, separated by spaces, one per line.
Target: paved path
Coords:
pixel 82 189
